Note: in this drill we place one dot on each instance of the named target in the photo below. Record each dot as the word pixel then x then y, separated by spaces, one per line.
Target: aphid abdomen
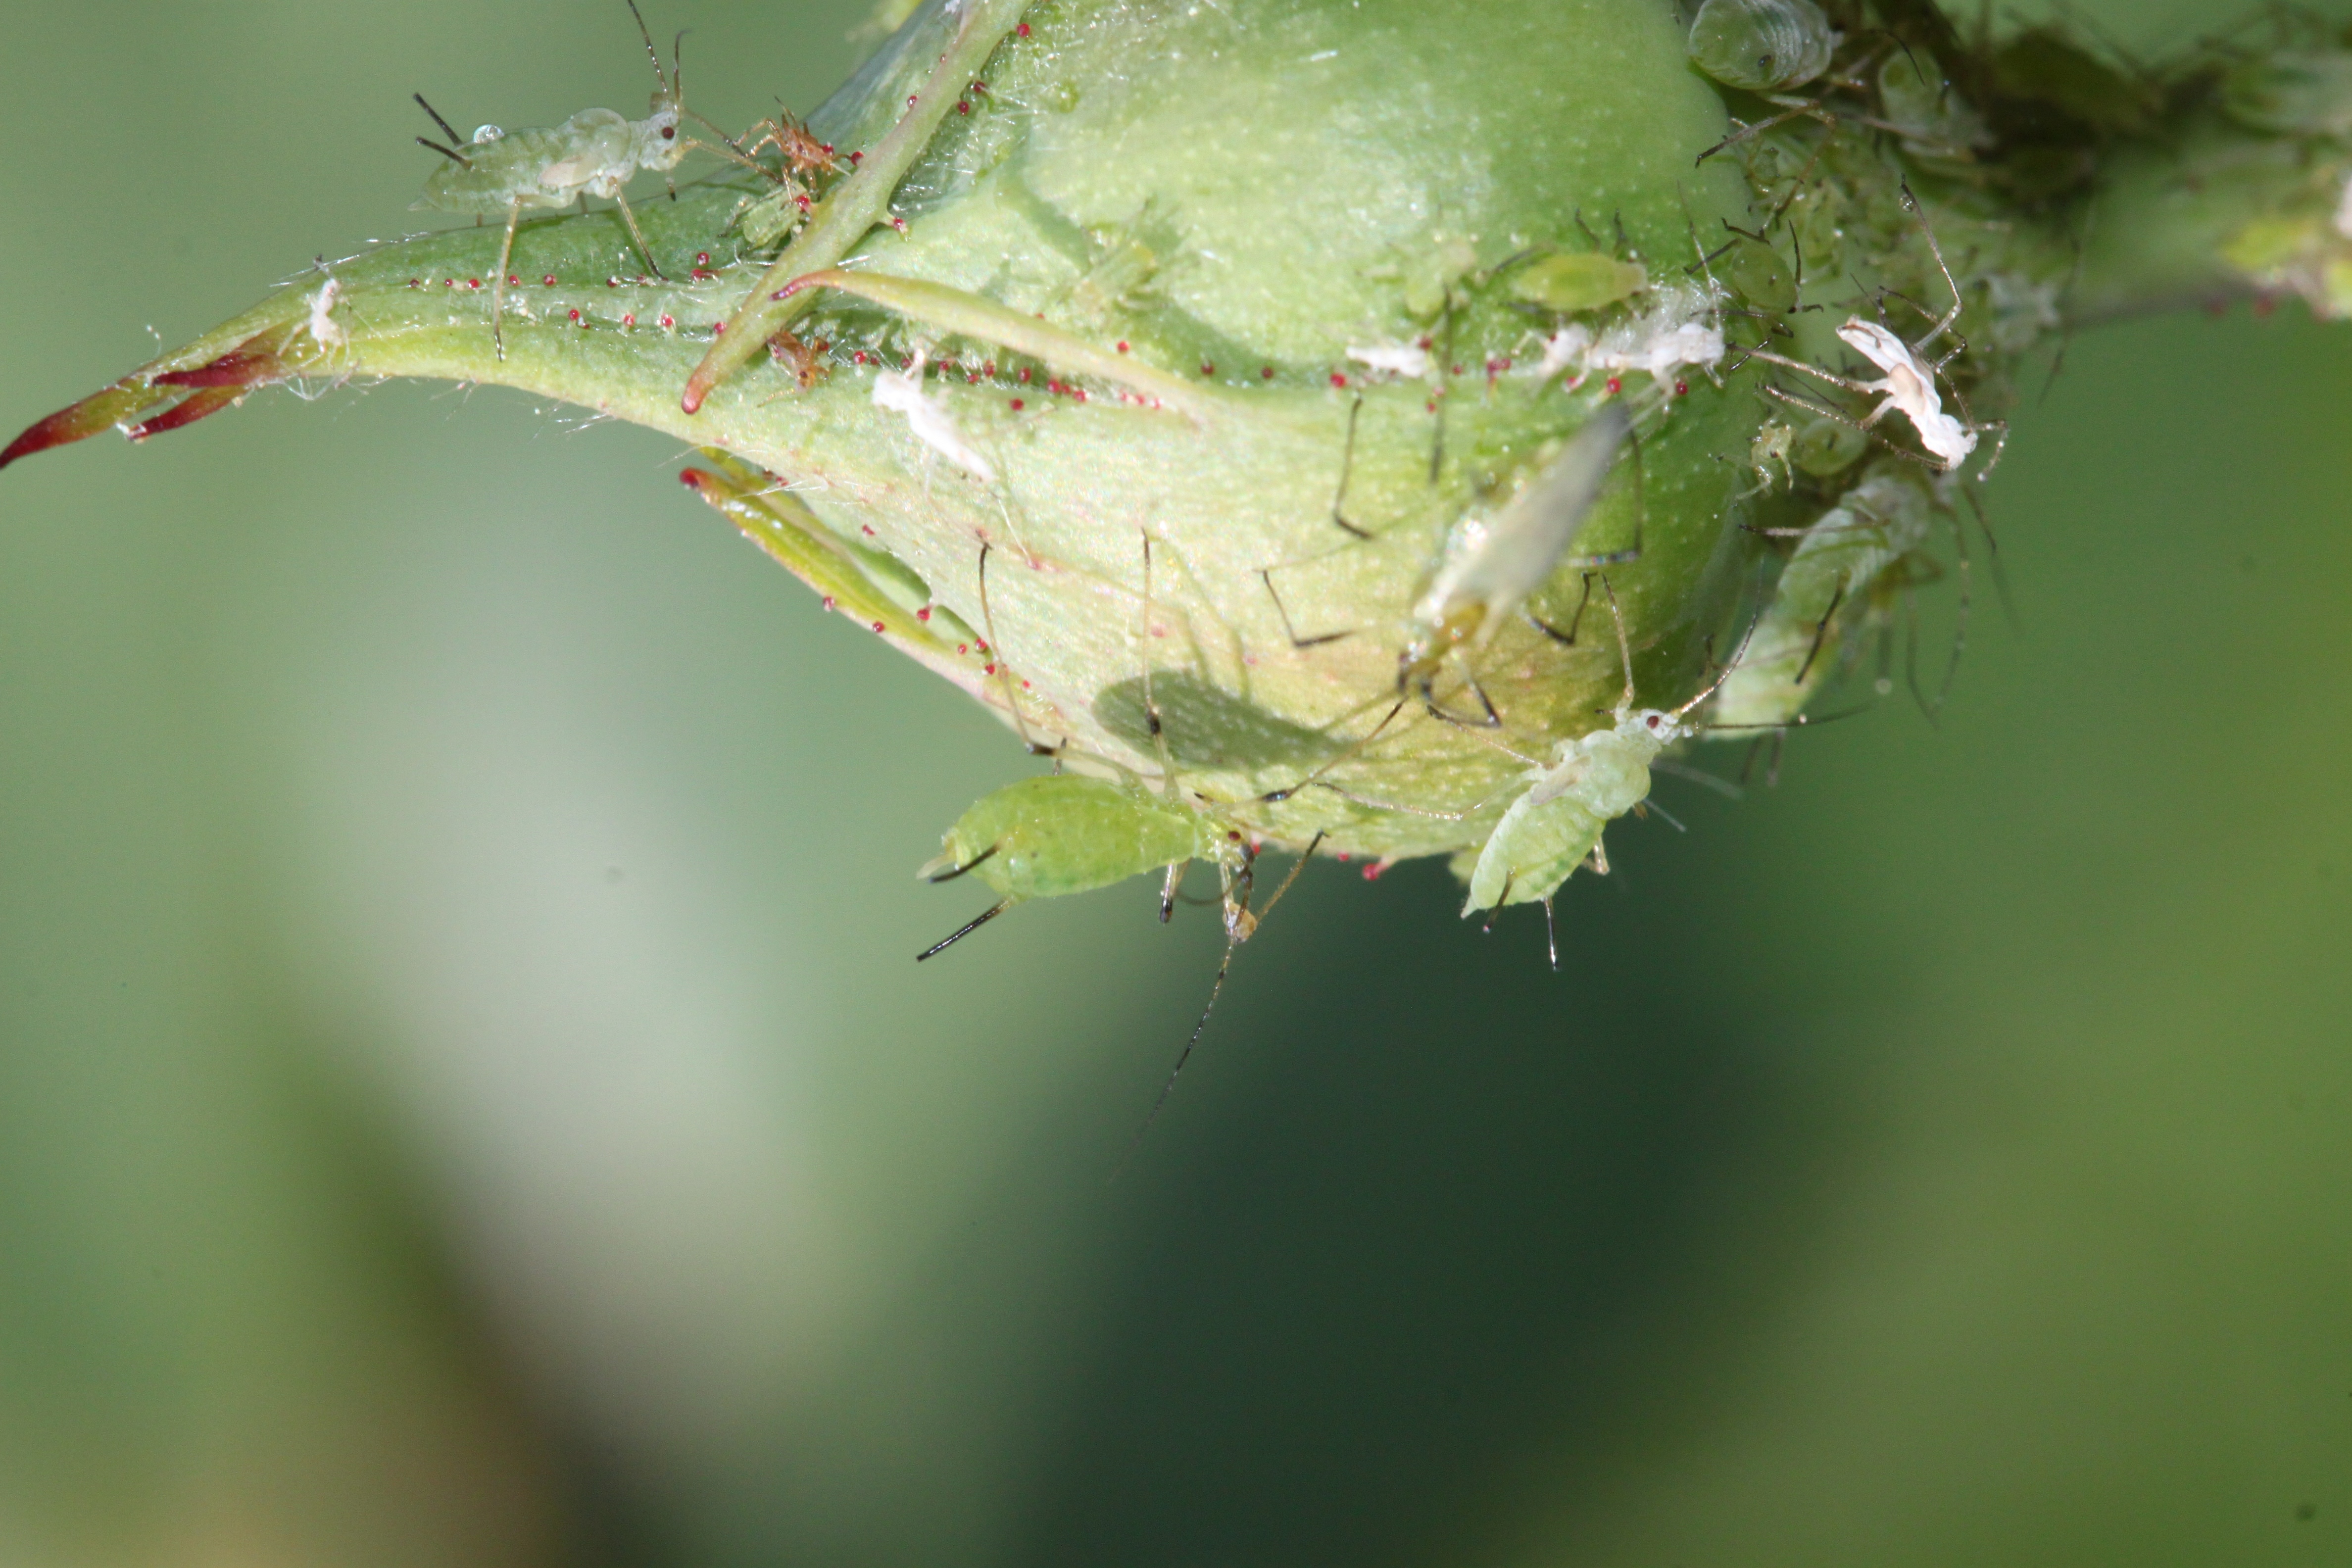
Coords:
pixel 1761 46
pixel 1533 850
pixel 1550 829
pixel 502 171
pixel 599 155
pixel 1063 832
pixel 1832 577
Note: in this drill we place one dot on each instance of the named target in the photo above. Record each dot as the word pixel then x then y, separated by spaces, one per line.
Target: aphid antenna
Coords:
pixel 1809 111
pixel 660 76
pixel 966 929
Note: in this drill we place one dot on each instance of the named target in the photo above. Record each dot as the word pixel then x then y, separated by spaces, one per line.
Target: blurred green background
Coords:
pixel 464 1097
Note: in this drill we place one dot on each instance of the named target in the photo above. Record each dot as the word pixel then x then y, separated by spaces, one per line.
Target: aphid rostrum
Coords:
pixel 594 153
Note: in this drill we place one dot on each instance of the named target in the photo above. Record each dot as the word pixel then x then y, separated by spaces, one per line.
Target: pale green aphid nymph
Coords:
pixel 1837 574
pixel 1761 46
pixel 500 173
pixel 1067 833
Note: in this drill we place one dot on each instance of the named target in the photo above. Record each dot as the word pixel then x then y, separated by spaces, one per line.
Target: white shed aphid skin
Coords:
pixel 1408 360
pixel 325 331
pixel 929 420
pixel 594 154
pixel 2343 210
pixel 1556 824
pixel 1492 566
pixel 1840 565
pixel 1908 386
pixel 1681 326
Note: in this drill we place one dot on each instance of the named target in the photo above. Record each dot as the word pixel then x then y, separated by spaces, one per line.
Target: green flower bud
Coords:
pixel 1329 418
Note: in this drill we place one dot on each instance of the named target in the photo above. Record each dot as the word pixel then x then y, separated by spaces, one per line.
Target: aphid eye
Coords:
pixel 669 131
pixel 1652 720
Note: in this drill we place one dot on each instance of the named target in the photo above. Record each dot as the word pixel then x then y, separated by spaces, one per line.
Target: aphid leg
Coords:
pixel 964 930
pixel 1168 889
pixel 1624 644
pixel 1944 324
pixel 1633 552
pixel 1005 671
pixel 1804 110
pixel 1345 754
pixel 1347 466
pixel 1266 575
pixel 1551 935
pixel 636 234
pixel 1565 638
pixel 498 279
pixel 1820 636
pixel 1426 686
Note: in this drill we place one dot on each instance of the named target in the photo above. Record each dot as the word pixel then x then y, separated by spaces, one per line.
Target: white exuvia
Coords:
pixel 1679 328
pixel 1909 388
pixel 1398 359
pixel 325 331
pixel 901 392
pixel 2344 211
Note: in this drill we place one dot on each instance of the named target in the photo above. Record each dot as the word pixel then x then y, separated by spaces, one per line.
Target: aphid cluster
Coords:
pixel 1507 446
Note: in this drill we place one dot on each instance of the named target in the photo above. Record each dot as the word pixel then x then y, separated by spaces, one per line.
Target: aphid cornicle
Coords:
pixel 1761 46
pixel 503 173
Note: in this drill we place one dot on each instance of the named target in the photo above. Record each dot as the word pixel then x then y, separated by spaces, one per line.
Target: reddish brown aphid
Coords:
pixel 802 153
pixel 807 360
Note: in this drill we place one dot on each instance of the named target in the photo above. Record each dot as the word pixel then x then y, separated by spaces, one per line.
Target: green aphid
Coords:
pixel 1761 46
pixel 1577 281
pixel 1065 833
pixel 1556 824
pixel 500 173
pixel 1760 275
pixel 1841 567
